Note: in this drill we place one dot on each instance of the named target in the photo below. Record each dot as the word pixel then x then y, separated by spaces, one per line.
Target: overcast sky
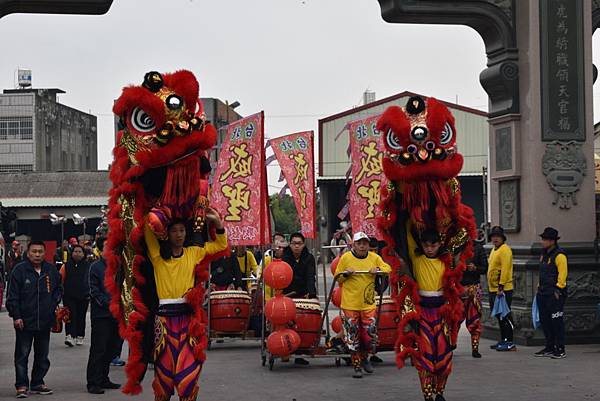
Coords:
pixel 296 60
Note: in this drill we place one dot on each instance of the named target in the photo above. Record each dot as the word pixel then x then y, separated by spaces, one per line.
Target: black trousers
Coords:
pixel 105 344
pixel 506 324
pixel 78 308
pixel 40 339
pixel 551 317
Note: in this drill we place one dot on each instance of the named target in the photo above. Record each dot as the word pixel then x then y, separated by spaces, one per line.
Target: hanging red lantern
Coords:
pixel 337 296
pixel 283 342
pixel 280 310
pixel 334 264
pixel 336 324
pixel 278 274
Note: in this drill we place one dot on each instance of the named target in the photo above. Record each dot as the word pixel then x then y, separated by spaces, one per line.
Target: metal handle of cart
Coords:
pixel 335 278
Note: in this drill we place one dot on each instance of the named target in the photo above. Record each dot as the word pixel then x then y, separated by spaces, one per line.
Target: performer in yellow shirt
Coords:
pixel 358 300
pixel 500 284
pixel 552 294
pixel 176 366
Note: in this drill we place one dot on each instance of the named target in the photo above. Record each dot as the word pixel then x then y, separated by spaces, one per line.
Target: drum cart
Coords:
pixel 257 305
pixel 319 350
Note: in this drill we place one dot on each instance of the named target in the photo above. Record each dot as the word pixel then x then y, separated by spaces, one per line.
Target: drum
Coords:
pixel 308 322
pixel 387 327
pixel 229 311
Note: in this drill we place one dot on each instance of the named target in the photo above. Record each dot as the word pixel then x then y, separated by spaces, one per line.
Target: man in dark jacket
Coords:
pixel 105 330
pixel 472 295
pixel 303 264
pixel 34 292
pixel 552 294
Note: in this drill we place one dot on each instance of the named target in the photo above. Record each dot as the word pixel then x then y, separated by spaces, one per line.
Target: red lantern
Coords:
pixel 280 310
pixel 337 296
pixel 334 264
pixel 283 342
pixel 336 324
pixel 278 274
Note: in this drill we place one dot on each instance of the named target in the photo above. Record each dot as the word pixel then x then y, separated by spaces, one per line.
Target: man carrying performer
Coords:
pixel 472 291
pixel 356 270
pixel 177 366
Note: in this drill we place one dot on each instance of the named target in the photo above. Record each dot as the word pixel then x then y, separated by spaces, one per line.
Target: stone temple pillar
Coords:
pixel 539 80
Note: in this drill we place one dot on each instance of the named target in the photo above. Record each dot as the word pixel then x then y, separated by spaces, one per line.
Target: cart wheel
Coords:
pixel 338 362
pixel 271 363
pixel 264 360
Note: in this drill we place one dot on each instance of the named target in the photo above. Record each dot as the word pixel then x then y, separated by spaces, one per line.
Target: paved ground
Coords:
pixel 233 372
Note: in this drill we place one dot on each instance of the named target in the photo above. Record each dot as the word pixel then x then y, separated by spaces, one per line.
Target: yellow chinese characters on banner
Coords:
pixel 295 156
pixel 366 150
pixel 240 184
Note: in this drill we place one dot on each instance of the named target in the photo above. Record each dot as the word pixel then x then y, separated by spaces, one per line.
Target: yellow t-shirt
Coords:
pixel 429 272
pixel 358 292
pixel 175 276
pixel 249 265
pixel 500 268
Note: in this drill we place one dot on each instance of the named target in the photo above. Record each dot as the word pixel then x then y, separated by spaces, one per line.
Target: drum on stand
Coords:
pixel 229 311
pixel 387 327
pixel 308 322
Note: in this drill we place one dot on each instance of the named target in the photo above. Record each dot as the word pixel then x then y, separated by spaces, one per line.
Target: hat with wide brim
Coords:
pixel 550 233
pixel 497 231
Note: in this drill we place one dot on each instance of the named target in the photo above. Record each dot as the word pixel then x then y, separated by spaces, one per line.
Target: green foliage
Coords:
pixel 284 214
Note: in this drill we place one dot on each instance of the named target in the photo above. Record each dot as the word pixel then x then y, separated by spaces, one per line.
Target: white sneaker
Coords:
pixel 69 341
pixel 79 341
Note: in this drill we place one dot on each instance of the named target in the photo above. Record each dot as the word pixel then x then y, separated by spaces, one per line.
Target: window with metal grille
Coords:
pixel 15 168
pixel 16 128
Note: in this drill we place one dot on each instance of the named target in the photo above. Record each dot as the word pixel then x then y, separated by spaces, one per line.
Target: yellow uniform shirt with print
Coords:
pixel 248 264
pixel 500 268
pixel 428 272
pixel 175 276
pixel 358 291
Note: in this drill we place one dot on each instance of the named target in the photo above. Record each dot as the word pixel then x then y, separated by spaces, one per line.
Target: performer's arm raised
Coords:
pixel 220 242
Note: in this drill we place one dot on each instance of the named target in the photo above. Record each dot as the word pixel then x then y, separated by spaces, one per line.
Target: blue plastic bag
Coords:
pixel 500 307
pixel 535 314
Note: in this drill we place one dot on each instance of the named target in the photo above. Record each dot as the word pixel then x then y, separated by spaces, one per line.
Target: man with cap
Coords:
pixel 552 294
pixel 500 284
pixel 358 300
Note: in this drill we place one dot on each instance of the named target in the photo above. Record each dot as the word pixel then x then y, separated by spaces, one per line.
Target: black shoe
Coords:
pixel 41 389
pixel 544 352
pixel 475 353
pixel 494 346
pixel 357 373
pixel 301 361
pixel 375 359
pixel 110 385
pixel 367 367
pixel 95 390
pixel 439 397
pixel 559 354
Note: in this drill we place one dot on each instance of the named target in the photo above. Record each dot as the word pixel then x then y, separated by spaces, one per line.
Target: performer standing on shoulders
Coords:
pixel 176 366
pixel 472 295
pixel 358 300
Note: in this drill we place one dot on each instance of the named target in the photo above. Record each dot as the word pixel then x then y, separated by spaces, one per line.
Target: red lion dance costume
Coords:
pixel 422 162
pixel 159 175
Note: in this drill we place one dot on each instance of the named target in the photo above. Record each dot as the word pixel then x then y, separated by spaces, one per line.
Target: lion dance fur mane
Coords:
pixel 421 162
pixel 159 174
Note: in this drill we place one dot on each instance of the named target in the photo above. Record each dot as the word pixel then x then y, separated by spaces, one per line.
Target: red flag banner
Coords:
pixel 239 190
pixel 366 144
pixel 295 155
